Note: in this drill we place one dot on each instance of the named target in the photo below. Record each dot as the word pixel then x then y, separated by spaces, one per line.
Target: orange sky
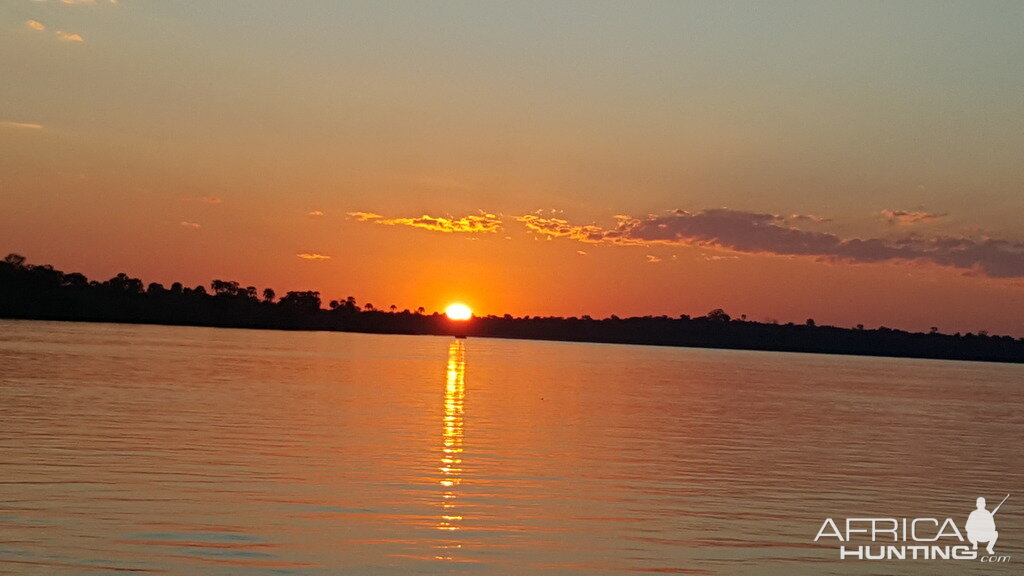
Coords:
pixel 194 142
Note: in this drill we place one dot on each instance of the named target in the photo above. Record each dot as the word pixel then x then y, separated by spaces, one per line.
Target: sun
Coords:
pixel 458 312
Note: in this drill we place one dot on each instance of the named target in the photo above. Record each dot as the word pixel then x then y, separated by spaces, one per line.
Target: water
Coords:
pixel 204 451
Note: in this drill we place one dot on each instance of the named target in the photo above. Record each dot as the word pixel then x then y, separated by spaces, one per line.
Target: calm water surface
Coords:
pixel 205 451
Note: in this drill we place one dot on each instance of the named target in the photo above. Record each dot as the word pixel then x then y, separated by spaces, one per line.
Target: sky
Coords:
pixel 855 163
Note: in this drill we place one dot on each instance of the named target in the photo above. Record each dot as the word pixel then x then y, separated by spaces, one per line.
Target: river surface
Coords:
pixel 177 450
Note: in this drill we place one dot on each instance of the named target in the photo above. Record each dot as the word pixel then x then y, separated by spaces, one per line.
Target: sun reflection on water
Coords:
pixel 451 450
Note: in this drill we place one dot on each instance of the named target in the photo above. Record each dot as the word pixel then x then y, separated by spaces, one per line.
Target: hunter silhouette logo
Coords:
pixel 981 526
pixel 916 538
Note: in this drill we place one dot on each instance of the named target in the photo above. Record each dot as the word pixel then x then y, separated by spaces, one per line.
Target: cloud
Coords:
pixel 192 225
pixel 809 218
pixel 482 222
pixel 315 213
pixel 62 35
pixel 904 218
pixel 313 256
pixel 581 252
pixel 557 227
pixel 652 259
pixel 759 233
pixel 22 125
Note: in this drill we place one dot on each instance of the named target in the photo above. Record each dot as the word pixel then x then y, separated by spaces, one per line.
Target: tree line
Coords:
pixel 41 292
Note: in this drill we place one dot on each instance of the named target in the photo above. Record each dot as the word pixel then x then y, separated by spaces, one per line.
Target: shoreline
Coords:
pixel 539 338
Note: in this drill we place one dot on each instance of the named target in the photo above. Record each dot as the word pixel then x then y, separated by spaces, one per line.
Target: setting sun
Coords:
pixel 458 312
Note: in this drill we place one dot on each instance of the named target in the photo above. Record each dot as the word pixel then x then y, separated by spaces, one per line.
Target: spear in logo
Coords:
pixel 996 509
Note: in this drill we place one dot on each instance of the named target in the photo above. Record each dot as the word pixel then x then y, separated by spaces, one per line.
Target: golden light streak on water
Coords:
pixel 451 449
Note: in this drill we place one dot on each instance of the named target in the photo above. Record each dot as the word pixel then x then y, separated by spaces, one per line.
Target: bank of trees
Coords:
pixel 41 292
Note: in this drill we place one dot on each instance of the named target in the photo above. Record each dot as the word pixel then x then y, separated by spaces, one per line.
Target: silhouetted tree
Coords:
pixel 125 284
pixel 224 288
pixel 718 315
pixel 76 280
pixel 303 300
pixel 15 260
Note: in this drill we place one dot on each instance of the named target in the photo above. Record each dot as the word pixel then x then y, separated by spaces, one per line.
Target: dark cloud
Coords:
pixel 760 233
pixel 809 217
pixel 905 218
